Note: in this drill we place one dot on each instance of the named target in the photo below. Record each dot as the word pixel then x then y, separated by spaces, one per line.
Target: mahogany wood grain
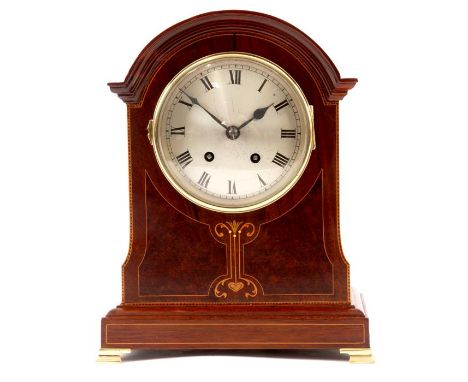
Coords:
pixel 298 275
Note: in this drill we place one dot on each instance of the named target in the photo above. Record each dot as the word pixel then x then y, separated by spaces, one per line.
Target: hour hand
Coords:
pixel 195 102
pixel 257 114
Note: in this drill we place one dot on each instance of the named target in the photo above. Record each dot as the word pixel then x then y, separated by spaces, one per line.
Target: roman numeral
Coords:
pixel 281 105
pixel 232 187
pixel 179 130
pixel 280 160
pixel 204 179
pixel 207 83
pixel 184 159
pixel 262 85
pixel 288 133
pixel 235 77
pixel 185 103
pixel 262 182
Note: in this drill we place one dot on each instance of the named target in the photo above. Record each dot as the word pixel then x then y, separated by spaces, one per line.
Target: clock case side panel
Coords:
pixel 221 32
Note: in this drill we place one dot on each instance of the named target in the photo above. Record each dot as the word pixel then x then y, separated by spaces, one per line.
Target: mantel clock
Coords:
pixel 233 164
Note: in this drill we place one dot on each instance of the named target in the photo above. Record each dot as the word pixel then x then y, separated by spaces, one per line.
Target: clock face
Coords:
pixel 232 132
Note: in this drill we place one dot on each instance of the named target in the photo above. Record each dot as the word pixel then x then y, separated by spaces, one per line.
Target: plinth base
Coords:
pixel 343 327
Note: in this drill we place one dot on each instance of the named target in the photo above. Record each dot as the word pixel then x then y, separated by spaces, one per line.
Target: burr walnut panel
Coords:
pixel 170 267
pixel 285 248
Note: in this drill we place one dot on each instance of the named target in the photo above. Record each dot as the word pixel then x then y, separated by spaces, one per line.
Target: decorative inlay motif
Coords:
pixel 235 283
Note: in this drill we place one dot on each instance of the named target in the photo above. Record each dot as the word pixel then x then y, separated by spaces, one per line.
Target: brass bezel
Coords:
pixel 153 131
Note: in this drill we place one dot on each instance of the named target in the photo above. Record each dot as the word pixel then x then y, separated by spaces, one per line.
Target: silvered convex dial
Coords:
pixel 232 132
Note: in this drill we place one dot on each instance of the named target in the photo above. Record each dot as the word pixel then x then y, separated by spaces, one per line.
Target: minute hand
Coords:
pixel 257 114
pixel 195 102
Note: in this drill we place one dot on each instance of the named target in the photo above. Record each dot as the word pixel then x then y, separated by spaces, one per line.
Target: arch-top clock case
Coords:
pixel 234 210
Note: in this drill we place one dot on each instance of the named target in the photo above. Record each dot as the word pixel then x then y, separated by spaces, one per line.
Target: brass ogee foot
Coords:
pixel 358 355
pixel 111 355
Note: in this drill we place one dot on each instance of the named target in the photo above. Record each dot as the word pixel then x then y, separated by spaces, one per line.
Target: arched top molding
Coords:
pixel 236 23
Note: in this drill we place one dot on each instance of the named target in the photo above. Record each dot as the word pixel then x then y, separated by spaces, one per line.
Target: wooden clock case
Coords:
pixel 271 278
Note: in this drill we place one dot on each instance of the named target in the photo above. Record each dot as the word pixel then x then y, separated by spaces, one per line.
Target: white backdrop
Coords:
pixel 64 193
